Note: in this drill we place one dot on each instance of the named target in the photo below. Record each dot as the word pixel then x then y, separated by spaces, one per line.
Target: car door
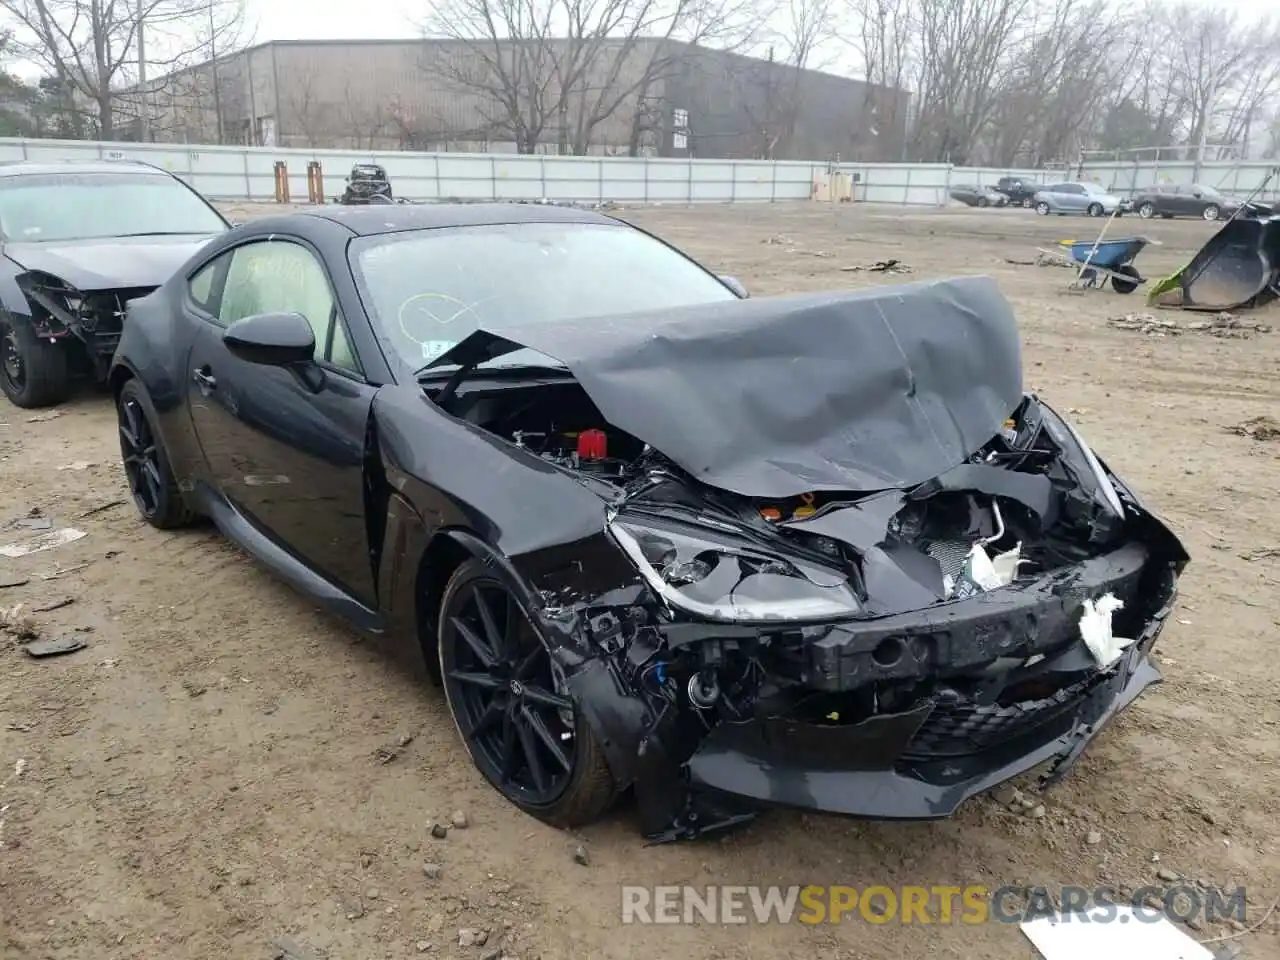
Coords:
pixel 1072 197
pixel 286 446
pixel 1184 202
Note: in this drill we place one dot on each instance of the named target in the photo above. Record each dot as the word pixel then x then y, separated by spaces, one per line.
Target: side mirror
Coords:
pixel 734 284
pixel 272 339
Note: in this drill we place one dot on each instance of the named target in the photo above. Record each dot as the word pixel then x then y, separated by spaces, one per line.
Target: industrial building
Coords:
pixel 643 97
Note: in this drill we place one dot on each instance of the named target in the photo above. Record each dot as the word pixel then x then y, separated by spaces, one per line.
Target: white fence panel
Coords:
pixel 248 173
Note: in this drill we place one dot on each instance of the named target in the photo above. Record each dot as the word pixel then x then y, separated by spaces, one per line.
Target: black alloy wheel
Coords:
pixel 146 466
pixel 11 367
pixel 520 726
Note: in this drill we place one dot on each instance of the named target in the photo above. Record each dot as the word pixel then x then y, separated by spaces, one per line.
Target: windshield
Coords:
pixel 1205 191
pixel 87 206
pixel 427 290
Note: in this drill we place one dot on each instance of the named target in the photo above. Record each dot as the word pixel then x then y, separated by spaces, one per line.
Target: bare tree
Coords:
pixel 91 47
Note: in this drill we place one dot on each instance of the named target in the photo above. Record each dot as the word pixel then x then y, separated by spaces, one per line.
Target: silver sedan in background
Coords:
pixel 1077 197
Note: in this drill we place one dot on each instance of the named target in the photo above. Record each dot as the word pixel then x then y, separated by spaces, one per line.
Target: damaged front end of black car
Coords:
pixel 845 564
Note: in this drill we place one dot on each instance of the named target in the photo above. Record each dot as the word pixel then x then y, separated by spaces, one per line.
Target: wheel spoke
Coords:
pixel 548 738
pixel 484 680
pixel 525 666
pixel 481 649
pixel 491 632
pixel 529 745
pixel 507 761
pixel 129 436
pixel 545 698
pixel 492 715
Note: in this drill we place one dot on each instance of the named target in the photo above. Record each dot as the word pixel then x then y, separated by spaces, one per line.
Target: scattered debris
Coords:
pixel 13 580
pixel 431 871
pixel 78 465
pixel 47 541
pixel 439 831
pixel 388 752
pixel 405 739
pixel 470 937
pixel 880 266
pixel 18 625
pixel 779 239
pixel 54 603
pixel 45 417
pixel 1093 838
pixel 101 508
pixel 1266 553
pixel 193 688
pixel 1078 934
pixel 54 647
pixel 1224 325
pixel 33 520
pixel 372 893
pixel 459 820
pixel 1147 323
pixel 580 856
pixel 289 949
pixel 423 946
pixel 58 571
pixel 1257 428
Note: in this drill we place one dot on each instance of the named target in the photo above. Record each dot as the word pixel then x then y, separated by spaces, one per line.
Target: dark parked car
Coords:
pixel 1171 200
pixel 726 552
pixel 80 239
pixel 972 195
pixel 1019 191
pixel 367 183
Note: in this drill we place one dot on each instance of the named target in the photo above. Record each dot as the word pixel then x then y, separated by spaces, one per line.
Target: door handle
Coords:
pixel 207 381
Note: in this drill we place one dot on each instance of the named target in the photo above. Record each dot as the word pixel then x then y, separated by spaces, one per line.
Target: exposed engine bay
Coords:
pixel 876 589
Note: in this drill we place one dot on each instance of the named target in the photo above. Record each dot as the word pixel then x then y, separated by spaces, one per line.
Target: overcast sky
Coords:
pixel 371 19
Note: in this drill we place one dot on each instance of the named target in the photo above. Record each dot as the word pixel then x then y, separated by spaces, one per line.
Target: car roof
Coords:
pixel 371 219
pixel 21 168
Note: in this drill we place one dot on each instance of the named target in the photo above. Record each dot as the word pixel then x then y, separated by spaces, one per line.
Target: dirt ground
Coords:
pixel 201 780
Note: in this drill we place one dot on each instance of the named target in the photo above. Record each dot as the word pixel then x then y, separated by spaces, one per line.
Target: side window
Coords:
pixel 276 276
pixel 201 285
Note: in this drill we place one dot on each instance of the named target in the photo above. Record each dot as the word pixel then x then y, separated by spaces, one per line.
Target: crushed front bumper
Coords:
pixel 749 761
pixel 902 765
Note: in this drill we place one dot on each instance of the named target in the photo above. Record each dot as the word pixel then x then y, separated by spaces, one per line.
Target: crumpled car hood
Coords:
pixel 110 263
pixel 774 397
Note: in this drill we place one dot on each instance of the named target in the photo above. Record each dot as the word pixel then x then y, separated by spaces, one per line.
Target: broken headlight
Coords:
pixel 708 572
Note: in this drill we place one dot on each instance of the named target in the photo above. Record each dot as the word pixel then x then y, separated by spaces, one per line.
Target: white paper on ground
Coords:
pixel 46 541
pixel 1095 630
pixel 1080 936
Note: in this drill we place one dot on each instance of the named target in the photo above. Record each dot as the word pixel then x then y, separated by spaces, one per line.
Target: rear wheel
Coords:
pixel 1211 212
pixel 1095 209
pixel 1147 211
pixel 146 463
pixel 1042 208
pixel 1120 285
pixel 511 707
pixel 33 372
pixel 983 202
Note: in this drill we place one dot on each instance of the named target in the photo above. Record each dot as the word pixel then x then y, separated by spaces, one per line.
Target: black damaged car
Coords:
pixel 79 239
pixel 653 535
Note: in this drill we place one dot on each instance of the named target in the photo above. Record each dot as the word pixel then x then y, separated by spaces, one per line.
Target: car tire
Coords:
pixel 34 373
pixel 148 471
pixel 1042 208
pixel 983 202
pixel 521 683
pixel 1095 210
pixel 1147 211
pixel 1211 212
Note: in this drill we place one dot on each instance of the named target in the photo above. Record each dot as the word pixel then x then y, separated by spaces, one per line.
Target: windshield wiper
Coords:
pixel 157 233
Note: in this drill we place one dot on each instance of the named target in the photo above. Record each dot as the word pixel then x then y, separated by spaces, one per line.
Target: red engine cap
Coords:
pixel 593 445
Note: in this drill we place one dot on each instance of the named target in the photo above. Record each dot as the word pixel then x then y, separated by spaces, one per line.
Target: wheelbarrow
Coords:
pixel 1112 259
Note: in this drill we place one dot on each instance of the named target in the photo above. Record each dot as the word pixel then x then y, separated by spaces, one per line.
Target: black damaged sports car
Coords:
pixel 815 550
pixel 79 239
